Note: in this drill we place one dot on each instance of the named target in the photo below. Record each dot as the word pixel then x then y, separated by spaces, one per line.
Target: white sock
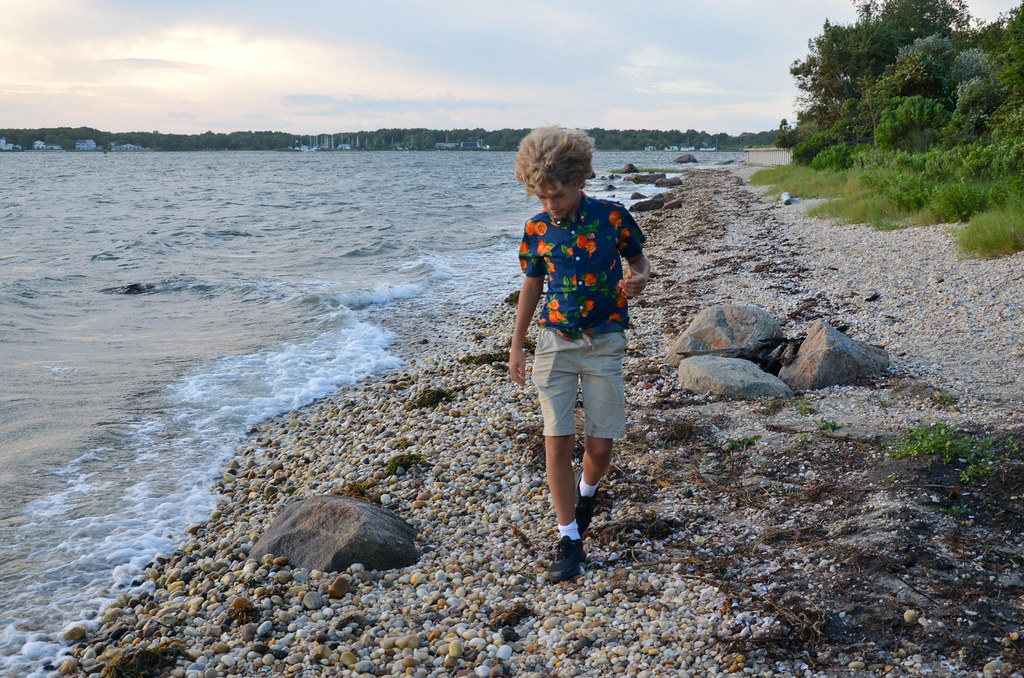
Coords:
pixel 572 531
pixel 587 490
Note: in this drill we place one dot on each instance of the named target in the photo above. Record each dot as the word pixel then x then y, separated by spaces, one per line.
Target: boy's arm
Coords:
pixel 529 295
pixel 640 268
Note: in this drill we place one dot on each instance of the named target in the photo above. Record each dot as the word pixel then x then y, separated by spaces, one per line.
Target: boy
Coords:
pixel 575 244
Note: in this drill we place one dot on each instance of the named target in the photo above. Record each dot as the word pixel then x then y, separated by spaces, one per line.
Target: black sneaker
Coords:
pixel 584 507
pixel 569 557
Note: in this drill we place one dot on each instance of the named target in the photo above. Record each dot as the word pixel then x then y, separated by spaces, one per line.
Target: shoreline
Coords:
pixel 695 595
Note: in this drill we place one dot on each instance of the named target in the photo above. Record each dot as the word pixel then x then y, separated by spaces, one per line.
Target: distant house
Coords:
pixel 39 145
pixel 114 146
pixel 85 145
pixel 43 146
pixel 4 146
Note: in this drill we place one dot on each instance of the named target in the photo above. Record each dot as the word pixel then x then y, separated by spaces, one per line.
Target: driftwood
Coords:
pixel 769 354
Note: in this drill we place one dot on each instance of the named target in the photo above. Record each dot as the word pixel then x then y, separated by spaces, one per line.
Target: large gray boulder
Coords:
pixel 730 377
pixel 686 157
pixel 719 327
pixel 827 357
pixel 329 533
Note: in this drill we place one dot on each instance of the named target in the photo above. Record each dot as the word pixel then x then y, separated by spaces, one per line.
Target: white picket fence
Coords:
pixel 768 157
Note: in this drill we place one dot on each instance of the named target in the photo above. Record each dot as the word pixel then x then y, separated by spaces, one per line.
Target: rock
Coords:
pixel 630 168
pixel 645 178
pixel 686 157
pixel 637 196
pixel 132 288
pixel 827 357
pixel 668 182
pixel 673 204
pixel 248 632
pixel 655 203
pixel 330 533
pixel 730 377
pixel 724 327
pixel 312 600
pixel 75 634
pixel 786 198
pixel 340 587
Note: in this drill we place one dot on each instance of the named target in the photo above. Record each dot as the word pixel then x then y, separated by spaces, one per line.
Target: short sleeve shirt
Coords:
pixel 581 258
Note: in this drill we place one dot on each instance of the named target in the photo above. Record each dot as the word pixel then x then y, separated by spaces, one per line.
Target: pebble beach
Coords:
pixel 681 579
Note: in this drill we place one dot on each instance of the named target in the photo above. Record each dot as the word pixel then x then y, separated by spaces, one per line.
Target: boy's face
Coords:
pixel 560 200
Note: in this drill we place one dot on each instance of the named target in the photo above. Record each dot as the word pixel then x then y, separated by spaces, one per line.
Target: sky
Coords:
pixel 320 66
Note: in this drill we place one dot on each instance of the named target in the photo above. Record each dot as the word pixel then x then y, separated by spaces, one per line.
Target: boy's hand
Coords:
pixel 517 366
pixel 635 275
pixel 632 284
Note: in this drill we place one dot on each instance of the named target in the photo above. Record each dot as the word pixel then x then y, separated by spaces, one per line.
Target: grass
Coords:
pixel 894 199
pixel 998 232
pixel 974 457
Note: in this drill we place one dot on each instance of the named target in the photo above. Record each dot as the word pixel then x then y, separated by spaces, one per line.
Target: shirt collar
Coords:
pixel 578 216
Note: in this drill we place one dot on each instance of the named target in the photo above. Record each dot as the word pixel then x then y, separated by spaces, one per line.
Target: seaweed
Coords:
pixel 432 397
pixel 402 461
pixel 145 661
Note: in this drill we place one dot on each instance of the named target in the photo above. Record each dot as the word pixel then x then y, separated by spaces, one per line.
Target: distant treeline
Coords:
pixel 378 140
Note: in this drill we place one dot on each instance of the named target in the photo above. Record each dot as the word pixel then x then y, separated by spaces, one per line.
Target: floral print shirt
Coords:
pixel 581 257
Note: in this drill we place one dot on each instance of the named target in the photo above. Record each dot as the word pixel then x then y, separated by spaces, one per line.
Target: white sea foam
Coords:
pixel 169 470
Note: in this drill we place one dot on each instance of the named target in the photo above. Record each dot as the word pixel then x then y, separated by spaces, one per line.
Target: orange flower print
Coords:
pixel 541 227
pixel 553 314
pixel 625 233
pixel 543 247
pixel 589 279
pixel 588 306
pixel 523 249
pixel 522 265
pixel 591 247
pixel 581 241
pixel 615 219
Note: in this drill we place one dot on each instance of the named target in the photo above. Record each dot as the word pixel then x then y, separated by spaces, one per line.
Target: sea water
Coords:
pixel 156 306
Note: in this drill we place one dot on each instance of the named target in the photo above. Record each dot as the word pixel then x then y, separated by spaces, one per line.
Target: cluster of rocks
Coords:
pixel 707 355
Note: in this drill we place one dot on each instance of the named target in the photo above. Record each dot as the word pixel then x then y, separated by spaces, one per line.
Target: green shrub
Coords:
pixel 1007 191
pixel 957 201
pixel 908 191
pixel 838 158
pixel 911 124
pixel 806 150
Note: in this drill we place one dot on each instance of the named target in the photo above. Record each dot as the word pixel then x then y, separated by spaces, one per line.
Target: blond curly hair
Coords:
pixel 553 156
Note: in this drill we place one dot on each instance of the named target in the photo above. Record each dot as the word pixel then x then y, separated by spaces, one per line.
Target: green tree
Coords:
pixel 911 124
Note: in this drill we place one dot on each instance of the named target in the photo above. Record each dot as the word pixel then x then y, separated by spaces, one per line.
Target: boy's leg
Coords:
pixel 597 457
pixel 561 479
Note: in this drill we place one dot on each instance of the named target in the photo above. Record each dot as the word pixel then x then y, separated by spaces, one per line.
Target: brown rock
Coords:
pixel 827 357
pixel 340 587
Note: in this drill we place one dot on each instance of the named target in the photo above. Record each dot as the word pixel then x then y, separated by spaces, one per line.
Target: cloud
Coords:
pixel 193 65
pixel 148 63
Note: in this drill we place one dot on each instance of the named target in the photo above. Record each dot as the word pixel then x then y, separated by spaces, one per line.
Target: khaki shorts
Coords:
pixel 561 365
